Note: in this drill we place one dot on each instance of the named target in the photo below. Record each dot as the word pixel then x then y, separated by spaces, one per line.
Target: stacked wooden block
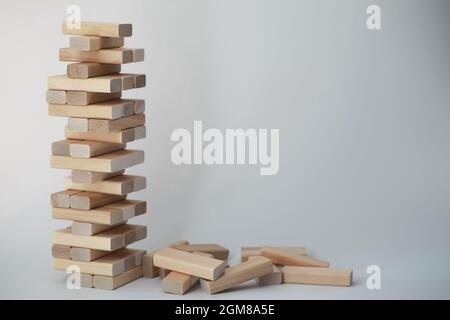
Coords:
pixel 100 124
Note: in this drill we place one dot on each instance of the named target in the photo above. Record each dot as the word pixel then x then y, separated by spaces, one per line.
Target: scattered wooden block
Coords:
pixel 84 98
pixel 61 252
pixel 283 257
pixel 251 269
pixel 93 43
pixel 149 269
pixel 98 29
pixel 89 149
pixel 56 96
pixel 319 276
pixel 89 229
pixel 62 199
pixel 85 70
pixel 111 283
pixel 114 109
pixel 92 200
pixel 217 251
pixel 124 136
pixel 110 162
pixel 109 56
pixel 102 125
pixel 247 252
pixel 119 185
pixel 273 278
pixel 90 177
pixel 189 263
pixel 86 254
pixel 106 84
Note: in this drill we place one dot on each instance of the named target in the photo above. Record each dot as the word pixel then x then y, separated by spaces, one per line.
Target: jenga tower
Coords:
pixel 100 124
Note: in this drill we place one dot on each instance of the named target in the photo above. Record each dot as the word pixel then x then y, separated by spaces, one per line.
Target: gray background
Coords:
pixel 364 137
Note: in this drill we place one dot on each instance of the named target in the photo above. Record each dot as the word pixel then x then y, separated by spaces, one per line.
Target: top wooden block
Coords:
pixel 100 29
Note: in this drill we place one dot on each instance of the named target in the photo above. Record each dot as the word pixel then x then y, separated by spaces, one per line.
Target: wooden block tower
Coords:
pixel 100 124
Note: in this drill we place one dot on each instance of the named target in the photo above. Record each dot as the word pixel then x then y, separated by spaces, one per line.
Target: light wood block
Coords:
pixel 247 252
pixel 217 251
pixel 111 283
pixel 99 29
pixel 61 252
pixel 273 278
pixel 108 56
pixel 85 70
pixel 120 185
pixel 57 96
pixel 189 263
pixel 124 136
pixel 283 257
pixel 102 125
pixel 149 269
pixel 113 213
pixel 92 200
pixel 106 84
pixel 78 124
pixel 93 43
pixel 90 177
pixel 251 269
pixel 112 264
pixel 89 229
pixel 138 105
pixel 89 149
pixel 86 280
pixel 84 98
pixel 61 147
pixel 62 199
pixel 139 80
pixel 110 162
pixel 86 254
pixel 319 276
pixel 114 109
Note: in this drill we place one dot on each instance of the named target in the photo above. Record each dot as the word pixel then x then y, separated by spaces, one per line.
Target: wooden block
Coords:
pixel 105 84
pixel 92 200
pixel 86 280
pixel 89 229
pixel 247 252
pixel 93 43
pixel 124 136
pixel 84 98
pixel 113 109
pixel 273 278
pixel 129 208
pixel 110 162
pixel 89 177
pixel 99 29
pixel 133 233
pixel 217 251
pixel 120 185
pixel 109 56
pixel 62 199
pixel 149 269
pixel 112 264
pixel 85 70
pixel 111 283
pixel 56 96
pixel 189 263
pixel 78 124
pixel 283 257
pixel 139 80
pixel 61 147
pixel 251 269
pixel 138 105
pixel 89 149
pixel 61 252
pixel 107 240
pixel 320 276
pixel 86 254
pixel 102 125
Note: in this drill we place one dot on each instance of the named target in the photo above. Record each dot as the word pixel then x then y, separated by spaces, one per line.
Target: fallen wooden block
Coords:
pixel 108 56
pixel 85 70
pixel 106 126
pixel 273 278
pixel 110 162
pixel 106 84
pixel 90 177
pixel 189 263
pixel 62 199
pixel 112 214
pixel 111 283
pixel 119 185
pixel 124 136
pixel 112 264
pixel 89 229
pixel 319 276
pixel 247 252
pixel 251 269
pixel 149 269
pixel 113 109
pixel 61 252
pixel 99 29
pixel 92 200
pixel 283 257
pixel 84 98
pixel 86 254
pixel 215 250
pixel 93 43
pixel 57 96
